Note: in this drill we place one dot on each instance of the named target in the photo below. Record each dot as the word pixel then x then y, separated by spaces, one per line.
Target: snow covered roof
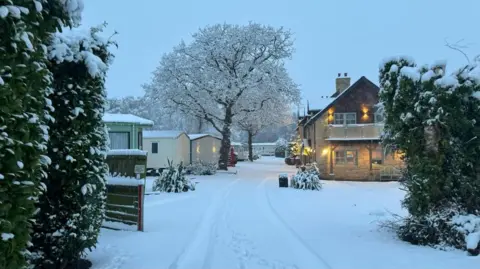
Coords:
pixel 162 134
pixel 128 152
pixel 197 136
pixel 125 118
pixel 236 144
pixel 264 144
pixel 123 181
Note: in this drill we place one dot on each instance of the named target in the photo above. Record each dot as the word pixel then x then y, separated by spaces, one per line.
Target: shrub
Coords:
pixel 201 168
pixel 173 179
pixel 446 227
pixel 306 180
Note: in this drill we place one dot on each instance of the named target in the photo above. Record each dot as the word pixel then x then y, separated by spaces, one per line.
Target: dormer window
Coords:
pixel 344 118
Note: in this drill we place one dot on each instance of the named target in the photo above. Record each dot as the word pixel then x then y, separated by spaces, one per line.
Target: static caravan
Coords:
pixel 166 145
pixel 204 148
pixel 125 130
pixel 264 149
pixel 241 150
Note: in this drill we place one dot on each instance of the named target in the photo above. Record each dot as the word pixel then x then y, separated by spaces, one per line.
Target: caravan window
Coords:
pixel 119 140
pixel 154 147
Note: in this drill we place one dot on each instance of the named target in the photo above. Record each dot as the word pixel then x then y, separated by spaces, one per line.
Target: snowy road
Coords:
pixel 246 221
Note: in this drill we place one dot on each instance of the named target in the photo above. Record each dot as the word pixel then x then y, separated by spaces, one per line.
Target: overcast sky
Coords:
pixel 331 36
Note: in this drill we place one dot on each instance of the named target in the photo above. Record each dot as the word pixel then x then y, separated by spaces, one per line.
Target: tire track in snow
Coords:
pixel 294 237
pixel 205 235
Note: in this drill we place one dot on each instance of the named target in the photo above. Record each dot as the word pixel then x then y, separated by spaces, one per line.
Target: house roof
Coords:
pixel 162 134
pixel 355 85
pixel 125 118
pixel 198 136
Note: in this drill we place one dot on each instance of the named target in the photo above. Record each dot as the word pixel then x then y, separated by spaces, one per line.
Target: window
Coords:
pixel 346 157
pixel 140 140
pixel 377 154
pixel 345 118
pixel 154 147
pixel 119 140
pixel 338 118
pixel 351 156
pixel 339 157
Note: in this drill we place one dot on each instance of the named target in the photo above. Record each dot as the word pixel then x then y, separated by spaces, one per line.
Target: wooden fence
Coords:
pixel 126 162
pixel 124 204
pixel 125 189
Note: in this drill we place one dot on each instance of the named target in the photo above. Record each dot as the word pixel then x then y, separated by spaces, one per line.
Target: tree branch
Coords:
pixel 458 47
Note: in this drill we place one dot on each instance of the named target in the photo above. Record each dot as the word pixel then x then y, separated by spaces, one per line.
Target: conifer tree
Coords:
pixel 25 26
pixel 73 206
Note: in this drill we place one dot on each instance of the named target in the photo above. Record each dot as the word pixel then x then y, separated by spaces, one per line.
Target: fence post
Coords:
pixel 140 207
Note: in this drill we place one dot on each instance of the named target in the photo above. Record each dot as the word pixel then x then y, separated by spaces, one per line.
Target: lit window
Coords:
pixel 346 157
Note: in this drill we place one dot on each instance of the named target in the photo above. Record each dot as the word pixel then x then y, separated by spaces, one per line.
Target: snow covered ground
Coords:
pixel 247 221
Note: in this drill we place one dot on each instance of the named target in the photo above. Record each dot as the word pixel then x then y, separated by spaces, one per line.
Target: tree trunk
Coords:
pixel 250 147
pixel 226 134
pixel 200 126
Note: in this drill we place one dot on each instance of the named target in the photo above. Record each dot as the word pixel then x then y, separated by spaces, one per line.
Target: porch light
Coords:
pixel 325 151
pixel 214 149
pixel 198 148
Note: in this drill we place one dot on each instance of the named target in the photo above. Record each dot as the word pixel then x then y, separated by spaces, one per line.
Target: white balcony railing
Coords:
pixel 354 132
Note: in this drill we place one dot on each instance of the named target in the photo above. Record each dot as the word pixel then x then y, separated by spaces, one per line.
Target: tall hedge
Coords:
pixel 73 206
pixel 434 119
pixel 25 26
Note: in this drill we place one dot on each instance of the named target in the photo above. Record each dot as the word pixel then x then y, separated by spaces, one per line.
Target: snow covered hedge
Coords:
pixel 434 119
pixel 173 179
pixel 201 168
pixel 306 180
pixel 24 85
pixel 72 207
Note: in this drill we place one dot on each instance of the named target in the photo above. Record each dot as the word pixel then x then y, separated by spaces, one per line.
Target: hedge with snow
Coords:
pixel 434 119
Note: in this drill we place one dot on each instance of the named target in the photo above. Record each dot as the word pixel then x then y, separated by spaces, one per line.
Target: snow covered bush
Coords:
pixel 72 207
pixel 173 179
pixel 433 119
pixel 201 168
pixel 24 85
pixel 306 180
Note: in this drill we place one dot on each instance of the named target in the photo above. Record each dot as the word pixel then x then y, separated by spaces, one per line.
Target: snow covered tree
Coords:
pixel 275 111
pixel 281 144
pixel 26 26
pixel 173 179
pixel 72 205
pixel 433 119
pixel 221 74
pixel 296 146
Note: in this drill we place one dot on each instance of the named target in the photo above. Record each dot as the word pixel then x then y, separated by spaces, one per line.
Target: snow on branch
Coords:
pixel 224 71
pixel 81 46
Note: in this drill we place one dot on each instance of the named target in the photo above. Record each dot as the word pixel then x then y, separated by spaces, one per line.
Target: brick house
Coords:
pixel 344 134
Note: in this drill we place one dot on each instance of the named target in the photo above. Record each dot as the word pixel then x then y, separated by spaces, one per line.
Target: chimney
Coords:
pixel 342 83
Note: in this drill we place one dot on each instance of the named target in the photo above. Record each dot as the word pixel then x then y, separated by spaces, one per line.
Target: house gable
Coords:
pixel 359 97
